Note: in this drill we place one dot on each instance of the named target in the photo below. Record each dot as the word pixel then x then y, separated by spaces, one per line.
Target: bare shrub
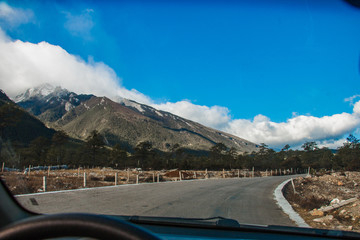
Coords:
pixel 109 178
pixel 93 178
pixel 308 203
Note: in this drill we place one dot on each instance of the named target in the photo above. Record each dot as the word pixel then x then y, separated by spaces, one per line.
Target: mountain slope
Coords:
pixel 18 125
pixel 126 122
pixel 132 125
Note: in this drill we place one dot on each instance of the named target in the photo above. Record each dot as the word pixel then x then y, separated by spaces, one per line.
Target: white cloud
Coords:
pixel 356 108
pixel 215 116
pixel 80 25
pixel 332 143
pixel 351 99
pixel 295 130
pixel 135 95
pixel 13 17
pixel 24 65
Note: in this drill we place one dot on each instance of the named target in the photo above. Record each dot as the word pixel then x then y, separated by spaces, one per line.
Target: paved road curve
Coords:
pixel 248 200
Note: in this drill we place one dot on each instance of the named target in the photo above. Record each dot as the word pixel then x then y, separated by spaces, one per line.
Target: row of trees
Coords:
pixel 61 149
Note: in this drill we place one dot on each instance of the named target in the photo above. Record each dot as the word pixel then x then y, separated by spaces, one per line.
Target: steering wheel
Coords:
pixel 74 225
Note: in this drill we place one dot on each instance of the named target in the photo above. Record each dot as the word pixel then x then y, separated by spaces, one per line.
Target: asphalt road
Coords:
pixel 248 200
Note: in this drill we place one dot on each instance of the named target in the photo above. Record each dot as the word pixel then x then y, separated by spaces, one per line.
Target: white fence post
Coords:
pixel 84 179
pixel 116 178
pixel 158 177
pixel 292 183
pixel 137 178
pixel 44 183
pixel 180 177
pixel 128 176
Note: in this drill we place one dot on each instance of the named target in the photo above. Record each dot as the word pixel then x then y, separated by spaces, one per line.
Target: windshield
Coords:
pixel 183 109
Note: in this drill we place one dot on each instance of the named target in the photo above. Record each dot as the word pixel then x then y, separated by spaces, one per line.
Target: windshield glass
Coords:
pixel 185 109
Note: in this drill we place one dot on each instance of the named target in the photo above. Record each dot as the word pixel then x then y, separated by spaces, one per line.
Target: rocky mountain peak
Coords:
pixel 40 91
pixel 49 103
pixel 123 121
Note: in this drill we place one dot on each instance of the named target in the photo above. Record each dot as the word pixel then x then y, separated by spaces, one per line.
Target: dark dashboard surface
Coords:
pixel 172 228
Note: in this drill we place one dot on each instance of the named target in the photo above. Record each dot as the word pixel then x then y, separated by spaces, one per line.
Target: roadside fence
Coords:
pixel 61 177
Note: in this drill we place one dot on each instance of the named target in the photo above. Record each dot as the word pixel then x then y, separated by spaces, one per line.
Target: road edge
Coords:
pixel 286 207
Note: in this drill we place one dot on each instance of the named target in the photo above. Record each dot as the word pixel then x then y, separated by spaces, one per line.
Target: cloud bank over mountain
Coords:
pixel 24 65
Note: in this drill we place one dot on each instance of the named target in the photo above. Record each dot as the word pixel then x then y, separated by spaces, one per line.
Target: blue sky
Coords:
pixel 262 70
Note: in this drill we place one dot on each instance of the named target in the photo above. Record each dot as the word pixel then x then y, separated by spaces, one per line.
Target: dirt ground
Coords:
pixel 33 182
pixel 314 194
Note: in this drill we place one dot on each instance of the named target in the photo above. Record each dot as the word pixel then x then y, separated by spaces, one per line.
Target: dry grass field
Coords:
pixel 33 181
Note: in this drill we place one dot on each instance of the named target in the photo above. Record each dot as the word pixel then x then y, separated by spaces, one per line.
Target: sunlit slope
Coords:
pixel 124 121
pixel 133 123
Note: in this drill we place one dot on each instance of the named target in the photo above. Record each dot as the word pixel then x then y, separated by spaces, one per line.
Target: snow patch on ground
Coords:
pixel 135 105
pixel 188 124
pixel 68 106
pixel 159 113
pixel 44 90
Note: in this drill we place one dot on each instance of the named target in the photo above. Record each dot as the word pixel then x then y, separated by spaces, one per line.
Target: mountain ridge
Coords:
pixel 126 121
pixel 18 125
pixel 49 103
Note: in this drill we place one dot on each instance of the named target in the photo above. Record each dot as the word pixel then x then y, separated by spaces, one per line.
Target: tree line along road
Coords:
pixel 247 200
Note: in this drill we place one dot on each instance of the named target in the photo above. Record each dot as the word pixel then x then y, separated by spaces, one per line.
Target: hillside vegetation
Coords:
pixel 100 132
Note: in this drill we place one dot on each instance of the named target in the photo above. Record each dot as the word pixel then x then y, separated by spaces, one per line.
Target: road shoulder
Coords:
pixel 286 207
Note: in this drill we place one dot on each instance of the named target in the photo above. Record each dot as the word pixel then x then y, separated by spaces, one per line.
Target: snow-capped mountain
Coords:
pixel 124 121
pixel 42 91
pixel 49 103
